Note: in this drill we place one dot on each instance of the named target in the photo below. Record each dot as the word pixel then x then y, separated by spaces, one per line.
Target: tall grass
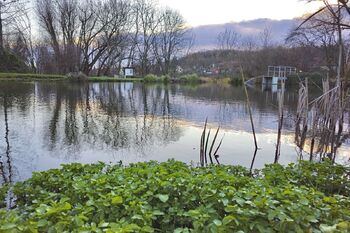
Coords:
pixel 321 121
pixel 204 154
pixel 280 121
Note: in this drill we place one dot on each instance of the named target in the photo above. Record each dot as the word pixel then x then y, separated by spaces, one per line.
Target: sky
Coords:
pixel 203 12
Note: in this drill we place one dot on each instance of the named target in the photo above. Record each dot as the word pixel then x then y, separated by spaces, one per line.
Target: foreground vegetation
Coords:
pixel 175 197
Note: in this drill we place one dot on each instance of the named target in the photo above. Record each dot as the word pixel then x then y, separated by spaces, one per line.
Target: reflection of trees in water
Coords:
pixel 266 101
pixel 15 98
pixel 5 159
pixel 111 116
pixel 231 109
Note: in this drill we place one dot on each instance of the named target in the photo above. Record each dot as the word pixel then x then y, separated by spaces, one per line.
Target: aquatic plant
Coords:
pixel 204 153
pixel 322 121
pixel 175 197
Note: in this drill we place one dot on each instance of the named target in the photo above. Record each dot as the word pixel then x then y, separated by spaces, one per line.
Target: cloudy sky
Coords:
pixel 202 12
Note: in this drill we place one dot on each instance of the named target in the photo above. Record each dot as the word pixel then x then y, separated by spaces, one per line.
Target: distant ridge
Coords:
pixel 206 35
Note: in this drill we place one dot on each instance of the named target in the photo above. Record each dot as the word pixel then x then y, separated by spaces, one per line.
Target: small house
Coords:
pixel 128 72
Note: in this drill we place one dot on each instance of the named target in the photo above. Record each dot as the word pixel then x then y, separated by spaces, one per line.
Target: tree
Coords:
pixel 338 21
pixel 318 34
pixel 102 31
pixel 228 39
pixel 171 39
pixel 48 20
pixel 148 20
pixel 265 37
pixel 9 11
pixel 23 33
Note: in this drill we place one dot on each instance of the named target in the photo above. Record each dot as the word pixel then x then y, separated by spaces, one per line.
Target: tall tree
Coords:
pixel 171 39
pixel 9 11
pixel 228 39
pixel 148 21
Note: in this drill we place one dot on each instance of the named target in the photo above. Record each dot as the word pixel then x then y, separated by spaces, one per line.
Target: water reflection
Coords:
pixel 46 124
pixel 5 160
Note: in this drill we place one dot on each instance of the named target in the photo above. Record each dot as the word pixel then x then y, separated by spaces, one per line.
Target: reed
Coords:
pixel 249 109
pixel 321 121
pixel 205 142
pixel 280 121
pixel 251 120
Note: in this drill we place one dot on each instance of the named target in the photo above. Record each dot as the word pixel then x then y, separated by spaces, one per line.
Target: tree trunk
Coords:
pixel 1 32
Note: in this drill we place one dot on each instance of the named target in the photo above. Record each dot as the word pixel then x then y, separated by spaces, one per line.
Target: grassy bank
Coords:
pixel 29 76
pixel 175 197
pixel 112 79
pixel 184 79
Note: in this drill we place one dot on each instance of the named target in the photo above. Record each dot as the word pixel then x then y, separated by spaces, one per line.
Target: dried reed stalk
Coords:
pixel 280 121
pixel 204 143
pixel 249 109
pixel 325 128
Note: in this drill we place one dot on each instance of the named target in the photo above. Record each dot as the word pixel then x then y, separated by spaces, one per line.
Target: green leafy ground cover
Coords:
pixel 175 197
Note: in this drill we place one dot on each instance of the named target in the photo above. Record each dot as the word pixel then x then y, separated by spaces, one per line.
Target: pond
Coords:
pixel 45 124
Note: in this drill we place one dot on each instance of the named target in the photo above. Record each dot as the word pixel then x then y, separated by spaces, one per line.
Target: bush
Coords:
pixel 3 195
pixel 189 78
pixel 174 197
pixel 324 177
pixel 9 62
pixel 151 78
pixel 236 80
pixel 313 77
pixel 165 78
pixel 77 77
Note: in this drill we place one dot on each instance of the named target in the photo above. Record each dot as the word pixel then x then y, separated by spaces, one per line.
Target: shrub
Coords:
pixel 3 194
pixel 165 78
pixel 313 77
pixel 150 78
pixel 236 80
pixel 189 78
pixel 174 197
pixel 324 177
pixel 77 76
pixel 10 62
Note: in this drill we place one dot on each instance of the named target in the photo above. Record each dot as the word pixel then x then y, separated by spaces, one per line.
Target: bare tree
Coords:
pixel 228 39
pixel 103 29
pixel 339 22
pixel 315 33
pixel 148 21
pixel 9 11
pixel 171 39
pixel 23 31
pixel 48 20
pixel 265 36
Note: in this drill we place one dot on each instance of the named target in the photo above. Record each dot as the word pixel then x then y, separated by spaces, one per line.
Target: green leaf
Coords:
pixel 117 200
pixel 157 212
pixel 178 230
pixel 8 226
pixel 163 197
pixel 328 229
pixel 343 225
pixel 228 219
pixel 42 223
pixel 147 229
pixel 311 218
pixel 217 222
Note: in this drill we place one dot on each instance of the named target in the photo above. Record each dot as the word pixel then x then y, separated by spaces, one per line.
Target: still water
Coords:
pixel 45 124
